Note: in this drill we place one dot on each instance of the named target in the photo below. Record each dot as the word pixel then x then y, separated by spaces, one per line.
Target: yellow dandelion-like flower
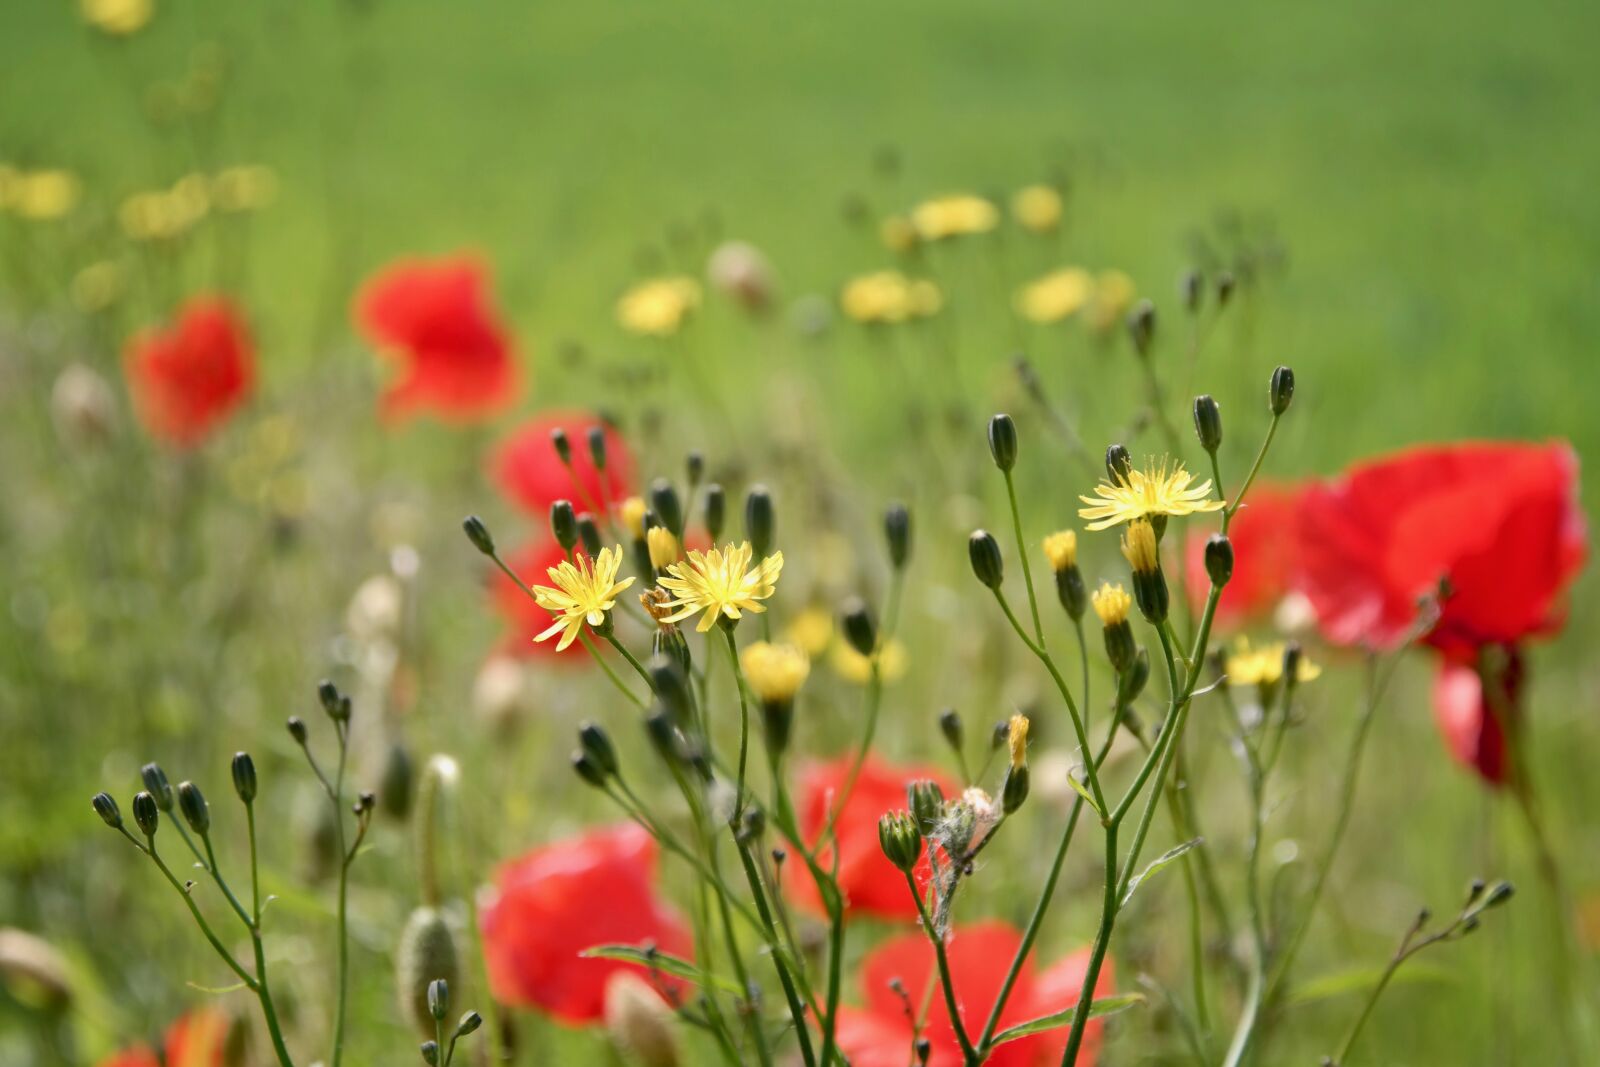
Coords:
pixel 658 307
pixel 119 18
pixel 887 296
pixel 775 672
pixel 1158 489
pixel 42 195
pixel 1017 739
pixel 583 593
pixel 1264 665
pixel 720 584
pixel 852 666
pixel 631 512
pixel 1113 296
pixel 1037 208
pixel 954 216
pixel 1112 603
pixel 811 630
pixel 897 234
pixel 1056 296
pixel 1061 549
pixel 662 545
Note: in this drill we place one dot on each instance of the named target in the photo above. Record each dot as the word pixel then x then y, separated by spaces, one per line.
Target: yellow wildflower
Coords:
pixel 1061 549
pixel 1139 547
pixel 1113 295
pixel 887 296
pixel 1155 490
pixel 811 630
pixel 658 307
pixel 631 511
pixel 775 672
pixel 1112 603
pixel 852 666
pixel 1037 208
pixel 1264 665
pixel 897 234
pixel 1056 296
pixel 1017 739
pixel 249 187
pixel 42 195
pixel 583 593
pixel 720 584
pixel 120 18
pixel 663 547
pixel 954 216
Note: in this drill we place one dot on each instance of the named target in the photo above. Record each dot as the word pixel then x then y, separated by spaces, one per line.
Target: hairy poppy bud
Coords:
pixel 1281 391
pixel 897 532
pixel 439 999
pixel 297 730
pixel 669 679
pixel 716 510
pixel 105 806
pixel 900 839
pixel 1207 422
pixel 196 812
pixel 1142 326
pixel 597 744
pixel 1118 464
pixel 984 552
pixel 564 524
pixel 146 814
pixel 1003 441
pixel 1191 288
pixel 244 777
pixel 427 952
pixel 926 801
pixel 597 447
pixel 639 1022
pixel 694 466
pixel 478 534
pixel 1219 559
pixel 950 726
pixel 589 535
pixel 855 619
pixel 562 445
pixel 668 508
pixel 155 780
pixel 759 520
pixel 1225 286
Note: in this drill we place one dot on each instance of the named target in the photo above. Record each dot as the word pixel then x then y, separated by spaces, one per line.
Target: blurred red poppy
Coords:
pixel 434 318
pixel 558 900
pixel 1473 726
pixel 879 1034
pixel 197 1039
pixel 525 620
pixel 532 477
pixel 188 379
pixel 871 884
pixel 1263 552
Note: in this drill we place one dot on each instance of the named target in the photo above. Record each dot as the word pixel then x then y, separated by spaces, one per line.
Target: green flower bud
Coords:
pixel 1150 591
pixel 430 1053
pixel 1003 441
pixel 427 952
pixel 469 1023
pixel 1142 326
pixel 297 730
pixel 1208 422
pixel 244 777
pixel 397 782
pixel 439 999
pixel 1281 391
pixel 984 552
pixel 587 769
pixel 694 466
pixel 926 801
pixel 146 814
pixel 105 806
pixel 1072 593
pixel 196 812
pixel 668 508
pixel 950 726
pixel 716 510
pixel 1120 647
pixel 328 695
pixel 663 735
pixel 855 619
pixel 597 447
pixel 597 744
pixel 1219 559
pixel 759 520
pixel 1132 680
pixel 897 532
pixel 900 839
pixel 564 524
pixel 478 534
pixel 155 780
pixel 1225 286
pixel 1292 655
pixel 563 446
pixel 1498 894
pixel 1118 464
pixel 589 535
pixel 670 680
pixel 1015 789
pixel 1001 735
pixel 1191 289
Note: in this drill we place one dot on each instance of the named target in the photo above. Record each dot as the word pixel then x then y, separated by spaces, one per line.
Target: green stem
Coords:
pixel 1022 553
pixel 797 1010
pixel 336 798
pixel 946 983
pixel 1255 468
pixel 744 724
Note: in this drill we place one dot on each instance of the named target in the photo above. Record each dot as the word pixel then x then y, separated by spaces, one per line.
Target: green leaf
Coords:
pixel 1361 979
pixel 1100 1006
pixel 666 964
pixel 1159 862
pixel 1078 786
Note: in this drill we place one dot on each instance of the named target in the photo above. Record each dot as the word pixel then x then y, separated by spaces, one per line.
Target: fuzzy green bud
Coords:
pixel 663 735
pixel 926 801
pixel 564 524
pixel 1120 647
pixel 984 552
pixel 589 535
pixel 1219 559
pixel 430 1053
pixel 439 999
pixel 1072 593
pixel 897 532
pixel 670 680
pixel 478 534
pixel 146 814
pixel 427 952
pixel 716 510
pixel 586 768
pixel 1208 422
pixel 196 812
pixel 1015 789
pixel 856 622
pixel 1280 393
pixel 1003 441
pixel 468 1024
pixel 297 730
pixel 244 777
pixel 1132 680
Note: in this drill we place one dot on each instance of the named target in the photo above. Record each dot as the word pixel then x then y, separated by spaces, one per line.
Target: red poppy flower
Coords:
pixel 871 884
pixel 434 317
pixel 1263 540
pixel 879 1034
pixel 1474 727
pixel 1500 522
pixel 556 901
pixel 197 1039
pixel 525 620
pixel 532 476
pixel 188 379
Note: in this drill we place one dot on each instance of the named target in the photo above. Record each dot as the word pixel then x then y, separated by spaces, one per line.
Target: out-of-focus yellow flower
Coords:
pixel 1037 208
pixel 1055 296
pixel 119 18
pixel 1264 665
pixel 775 672
pixel 632 511
pixel 663 547
pixel 812 631
pixel 98 286
pixel 1155 489
pixel 720 584
pixel 1113 295
pixel 162 215
pixel 658 307
pixel 887 296
pixel 41 195
pixel 954 216
pixel 897 234
pixel 852 666
pixel 249 187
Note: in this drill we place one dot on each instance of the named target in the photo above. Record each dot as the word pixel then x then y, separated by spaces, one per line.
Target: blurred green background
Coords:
pixel 1429 169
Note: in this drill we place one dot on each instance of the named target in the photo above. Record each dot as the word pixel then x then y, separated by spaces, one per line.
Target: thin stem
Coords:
pixel 797 1010
pixel 744 724
pixel 1249 479
pixel 629 656
pixel 952 1006
pixel 1022 553
pixel 622 687
pixel 336 798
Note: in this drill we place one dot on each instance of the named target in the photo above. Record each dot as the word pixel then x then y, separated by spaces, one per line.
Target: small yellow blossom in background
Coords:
pixel 663 547
pixel 720 584
pixel 583 593
pixel 249 187
pixel 1037 208
pixel 119 18
pixel 1155 490
pixel 1111 603
pixel 1113 296
pixel 631 511
pixel 852 666
pixel 39 195
pixel 774 672
pixel 1017 739
pixel 162 215
pixel 98 286
pixel 887 296
pixel 1264 665
pixel 1061 549
pixel 1056 296
pixel 811 630
pixel 658 307
pixel 954 216
pixel 897 234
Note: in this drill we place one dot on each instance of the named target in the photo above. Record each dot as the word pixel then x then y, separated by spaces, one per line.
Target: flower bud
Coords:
pixel 328 696
pixel 694 468
pixel 1208 422
pixel 1191 289
pixel 1281 391
pixel 597 447
pixel 1142 326
pixel 439 999
pixel 950 726
pixel 897 532
pixel 1219 559
pixel 1131 680
pixel 244 777
pixel 105 806
pixel 562 445
pixel 478 534
pixel 671 685
pixel 668 508
pixel 663 735
pixel 716 510
pixel 984 552
pixel 1003 441
pixel 1071 591
pixel 759 520
pixel 468 1024
pixel 1015 789
pixel 1149 584
pixel 900 839
pixel 297 730
pixel 564 524
pixel 196 812
pixel 1225 286
pixel 1118 464
pixel 1498 894
pixel 589 535
pixel 430 1053
pixel 926 801
pixel 155 780
pixel 597 745
pixel 638 1022
pixel 855 619
pixel 146 814
pixel 1293 655
pixel 587 769
pixel 427 952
